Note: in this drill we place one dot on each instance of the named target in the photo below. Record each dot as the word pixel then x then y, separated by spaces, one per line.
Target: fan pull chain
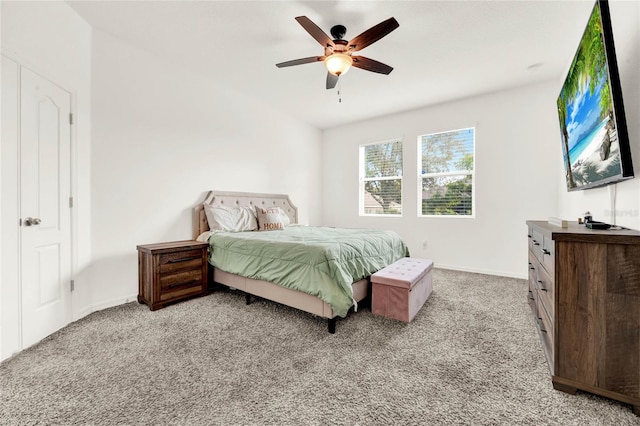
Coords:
pixel 339 88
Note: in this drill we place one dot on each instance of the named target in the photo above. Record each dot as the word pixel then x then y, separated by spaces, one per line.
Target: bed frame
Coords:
pixel 266 289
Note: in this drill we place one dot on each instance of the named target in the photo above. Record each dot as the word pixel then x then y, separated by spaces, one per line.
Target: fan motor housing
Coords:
pixel 340 47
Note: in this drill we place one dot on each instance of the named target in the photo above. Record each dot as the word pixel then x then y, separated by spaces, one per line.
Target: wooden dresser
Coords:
pixel 584 291
pixel 169 272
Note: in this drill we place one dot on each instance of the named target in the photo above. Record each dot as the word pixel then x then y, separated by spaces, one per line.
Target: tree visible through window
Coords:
pixel 446 161
pixel 381 178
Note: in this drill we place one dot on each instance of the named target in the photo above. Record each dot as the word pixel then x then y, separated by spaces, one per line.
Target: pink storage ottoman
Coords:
pixel 399 290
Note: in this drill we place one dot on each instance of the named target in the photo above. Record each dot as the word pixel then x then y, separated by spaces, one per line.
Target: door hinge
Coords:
pixel 70 202
pixel 73 285
pixel 70 118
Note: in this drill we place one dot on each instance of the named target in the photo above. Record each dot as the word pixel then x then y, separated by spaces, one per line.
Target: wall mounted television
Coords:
pixel 595 142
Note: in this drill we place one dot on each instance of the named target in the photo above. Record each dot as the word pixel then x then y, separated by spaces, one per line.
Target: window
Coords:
pixel 381 179
pixel 446 164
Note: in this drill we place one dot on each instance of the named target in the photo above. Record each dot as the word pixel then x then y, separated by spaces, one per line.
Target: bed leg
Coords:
pixel 247 298
pixel 211 284
pixel 332 325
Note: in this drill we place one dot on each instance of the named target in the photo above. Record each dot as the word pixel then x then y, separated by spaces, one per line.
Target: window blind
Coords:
pixel 381 178
pixel 447 173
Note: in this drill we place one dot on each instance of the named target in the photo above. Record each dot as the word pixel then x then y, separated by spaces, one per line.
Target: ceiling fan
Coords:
pixel 338 56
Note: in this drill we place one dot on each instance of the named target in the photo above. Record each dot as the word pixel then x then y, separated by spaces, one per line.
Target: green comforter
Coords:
pixel 323 262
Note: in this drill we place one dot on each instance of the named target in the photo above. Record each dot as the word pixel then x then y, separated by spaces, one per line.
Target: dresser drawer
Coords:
pixel 530 238
pixel 537 239
pixel 544 285
pixel 549 255
pixel 531 298
pixel 545 326
pixel 532 267
pixel 544 317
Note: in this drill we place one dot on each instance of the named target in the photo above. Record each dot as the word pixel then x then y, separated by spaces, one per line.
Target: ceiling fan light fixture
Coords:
pixel 338 63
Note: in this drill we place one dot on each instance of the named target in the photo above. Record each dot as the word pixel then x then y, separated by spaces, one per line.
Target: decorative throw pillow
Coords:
pixel 234 219
pixel 271 218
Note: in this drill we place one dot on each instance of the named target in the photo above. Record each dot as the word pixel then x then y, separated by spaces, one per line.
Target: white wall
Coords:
pixel 50 39
pixel 162 137
pixel 517 151
pixel 625 19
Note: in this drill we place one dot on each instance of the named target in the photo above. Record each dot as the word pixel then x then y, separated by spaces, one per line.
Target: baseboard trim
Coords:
pixel 105 305
pixel 480 271
pixel 114 302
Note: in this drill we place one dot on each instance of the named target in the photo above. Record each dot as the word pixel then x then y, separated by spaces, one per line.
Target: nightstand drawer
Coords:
pixel 173 262
pixel 180 279
pixel 180 284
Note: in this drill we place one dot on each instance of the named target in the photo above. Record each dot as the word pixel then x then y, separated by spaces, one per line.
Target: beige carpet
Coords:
pixel 471 356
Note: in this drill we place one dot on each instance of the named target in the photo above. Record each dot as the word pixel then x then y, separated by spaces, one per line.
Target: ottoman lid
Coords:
pixel 405 272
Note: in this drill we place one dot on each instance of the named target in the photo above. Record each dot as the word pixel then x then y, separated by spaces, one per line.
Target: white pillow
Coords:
pixel 234 219
pixel 271 218
pixel 204 237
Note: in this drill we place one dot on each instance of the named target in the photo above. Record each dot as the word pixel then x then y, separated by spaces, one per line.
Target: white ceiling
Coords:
pixel 443 50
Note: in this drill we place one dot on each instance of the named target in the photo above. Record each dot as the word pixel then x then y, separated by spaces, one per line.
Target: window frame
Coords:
pixel 362 179
pixel 421 176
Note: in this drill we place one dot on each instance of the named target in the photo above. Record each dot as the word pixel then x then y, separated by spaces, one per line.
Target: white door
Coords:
pixel 45 188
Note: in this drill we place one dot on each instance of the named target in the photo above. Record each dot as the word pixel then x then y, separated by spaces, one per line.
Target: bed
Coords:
pixel 282 265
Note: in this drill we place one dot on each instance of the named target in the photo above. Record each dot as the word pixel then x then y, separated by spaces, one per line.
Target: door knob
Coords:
pixel 30 221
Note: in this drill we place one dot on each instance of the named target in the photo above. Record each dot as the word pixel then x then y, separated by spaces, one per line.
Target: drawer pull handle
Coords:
pixel 532 268
pixel 541 286
pixel 535 243
pixel 179 284
pixel 184 259
pixel 545 251
pixel 528 235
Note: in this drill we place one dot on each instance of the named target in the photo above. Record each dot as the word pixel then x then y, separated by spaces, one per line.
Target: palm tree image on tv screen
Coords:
pixel 591 140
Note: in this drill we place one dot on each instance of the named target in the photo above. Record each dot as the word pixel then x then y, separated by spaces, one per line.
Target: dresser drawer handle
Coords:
pixel 529 236
pixel 184 259
pixel 535 243
pixel 545 251
pixel 180 284
pixel 541 286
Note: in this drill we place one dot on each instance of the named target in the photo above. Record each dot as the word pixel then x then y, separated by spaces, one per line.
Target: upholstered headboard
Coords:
pixel 240 199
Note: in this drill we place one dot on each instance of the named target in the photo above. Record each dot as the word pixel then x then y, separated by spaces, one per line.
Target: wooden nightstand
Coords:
pixel 169 272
